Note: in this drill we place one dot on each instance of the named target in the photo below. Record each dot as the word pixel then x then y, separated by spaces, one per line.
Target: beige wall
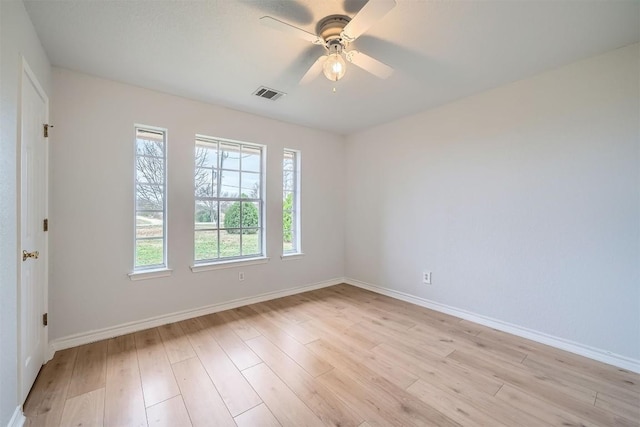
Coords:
pixel 524 202
pixel 92 205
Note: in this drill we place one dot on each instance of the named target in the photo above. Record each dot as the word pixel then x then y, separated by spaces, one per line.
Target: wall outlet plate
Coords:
pixel 241 276
pixel 426 277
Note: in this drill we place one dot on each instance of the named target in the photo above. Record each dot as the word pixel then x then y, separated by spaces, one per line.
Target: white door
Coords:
pixel 33 209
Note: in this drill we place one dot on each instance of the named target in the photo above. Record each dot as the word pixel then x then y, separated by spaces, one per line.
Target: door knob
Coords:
pixel 33 255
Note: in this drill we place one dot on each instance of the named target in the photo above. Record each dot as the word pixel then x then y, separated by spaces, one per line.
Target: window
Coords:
pixel 291 202
pixel 151 196
pixel 229 201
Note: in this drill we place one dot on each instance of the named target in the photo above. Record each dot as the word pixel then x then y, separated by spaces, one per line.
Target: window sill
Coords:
pixel 228 264
pixel 150 274
pixel 291 257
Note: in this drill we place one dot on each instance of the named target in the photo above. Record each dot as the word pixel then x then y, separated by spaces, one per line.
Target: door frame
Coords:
pixel 27 73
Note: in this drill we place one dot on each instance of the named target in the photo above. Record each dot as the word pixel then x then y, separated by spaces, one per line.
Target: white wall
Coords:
pixel 17 39
pixel 524 201
pixel 92 205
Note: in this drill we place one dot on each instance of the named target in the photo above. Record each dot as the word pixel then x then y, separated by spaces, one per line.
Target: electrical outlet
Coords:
pixel 426 277
pixel 241 276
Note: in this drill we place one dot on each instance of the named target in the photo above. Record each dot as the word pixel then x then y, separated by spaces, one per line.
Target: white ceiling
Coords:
pixel 217 51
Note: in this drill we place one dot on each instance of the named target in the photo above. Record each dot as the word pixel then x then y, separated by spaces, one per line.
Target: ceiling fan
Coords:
pixel 335 33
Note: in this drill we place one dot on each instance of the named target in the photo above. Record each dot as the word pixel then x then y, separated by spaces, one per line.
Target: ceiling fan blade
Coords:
pixel 314 71
pixel 276 24
pixel 369 64
pixel 373 11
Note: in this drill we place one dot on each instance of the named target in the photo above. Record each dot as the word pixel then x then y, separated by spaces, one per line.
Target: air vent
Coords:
pixel 265 92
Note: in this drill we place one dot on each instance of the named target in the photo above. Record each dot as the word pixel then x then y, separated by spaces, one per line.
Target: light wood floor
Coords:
pixel 338 356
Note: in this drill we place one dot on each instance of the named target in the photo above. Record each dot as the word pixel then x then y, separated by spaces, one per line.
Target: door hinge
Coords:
pixel 45 224
pixel 45 319
pixel 46 127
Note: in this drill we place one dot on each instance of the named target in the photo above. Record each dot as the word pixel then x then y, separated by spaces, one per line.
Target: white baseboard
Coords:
pixel 152 322
pixel 560 343
pixel 18 419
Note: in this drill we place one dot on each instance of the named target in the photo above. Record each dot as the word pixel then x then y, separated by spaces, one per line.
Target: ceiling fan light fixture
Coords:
pixel 336 33
pixel 334 67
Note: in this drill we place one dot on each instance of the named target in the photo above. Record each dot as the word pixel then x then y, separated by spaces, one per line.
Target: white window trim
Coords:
pixel 151 271
pixel 292 256
pixel 207 265
pixel 150 274
pixel 219 265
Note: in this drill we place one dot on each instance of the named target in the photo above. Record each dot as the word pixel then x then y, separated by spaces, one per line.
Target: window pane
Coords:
pixel 230 184
pixel 290 196
pixel 233 216
pixel 150 192
pixel 290 245
pixel 251 242
pixel 206 156
pixel 294 239
pixel 206 182
pixel 251 159
pixel 230 156
pixel 250 185
pixel 288 183
pixel 150 147
pixel 150 169
pixel 149 224
pixel 206 215
pixel 149 252
pixel 224 207
pixel 230 243
pixel 288 219
pixel 149 197
pixel 206 244
pixel 250 215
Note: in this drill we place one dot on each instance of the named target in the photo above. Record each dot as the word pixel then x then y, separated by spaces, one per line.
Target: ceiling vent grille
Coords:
pixel 268 93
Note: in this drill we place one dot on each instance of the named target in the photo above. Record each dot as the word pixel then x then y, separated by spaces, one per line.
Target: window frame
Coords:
pixel 150 270
pixel 225 261
pixel 295 217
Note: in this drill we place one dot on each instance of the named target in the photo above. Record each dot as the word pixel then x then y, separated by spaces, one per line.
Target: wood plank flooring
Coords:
pixel 339 356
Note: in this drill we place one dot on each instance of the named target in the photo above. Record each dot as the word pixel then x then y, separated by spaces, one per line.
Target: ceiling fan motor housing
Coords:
pixel 330 29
